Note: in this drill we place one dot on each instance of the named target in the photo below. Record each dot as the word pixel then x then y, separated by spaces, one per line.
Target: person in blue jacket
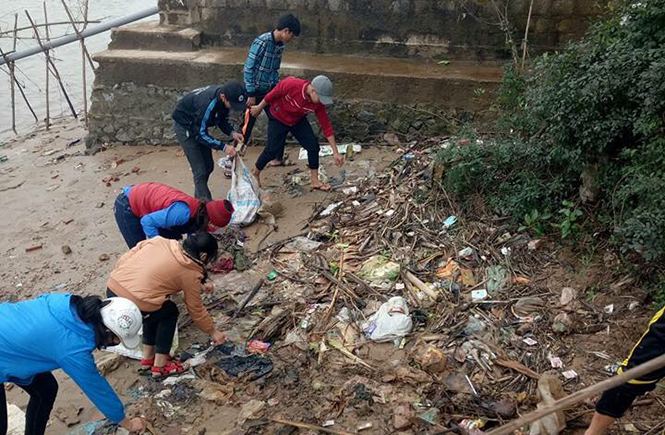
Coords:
pixel 147 210
pixel 61 331
pixel 194 114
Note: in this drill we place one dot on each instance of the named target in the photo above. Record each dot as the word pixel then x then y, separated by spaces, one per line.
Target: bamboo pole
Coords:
pixel 13 77
pixel 59 23
pixel 54 69
pixel 76 30
pixel 526 36
pixel 46 53
pixel 84 52
pixel 15 30
pixel 579 396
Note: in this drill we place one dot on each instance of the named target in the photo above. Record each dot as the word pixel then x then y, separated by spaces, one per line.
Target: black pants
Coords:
pixel 158 326
pixel 200 160
pixel 615 402
pixel 277 132
pixel 42 390
pixel 249 120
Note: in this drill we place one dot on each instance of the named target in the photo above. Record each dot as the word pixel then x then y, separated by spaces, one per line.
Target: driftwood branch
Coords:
pixel 581 395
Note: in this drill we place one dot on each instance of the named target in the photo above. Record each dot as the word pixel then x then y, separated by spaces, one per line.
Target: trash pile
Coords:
pixel 392 314
pixel 457 299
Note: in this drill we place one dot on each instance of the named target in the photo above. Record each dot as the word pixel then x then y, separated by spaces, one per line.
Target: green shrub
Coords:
pixel 600 103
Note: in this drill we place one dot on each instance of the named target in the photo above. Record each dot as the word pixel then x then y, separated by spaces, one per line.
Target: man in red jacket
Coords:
pixel 289 103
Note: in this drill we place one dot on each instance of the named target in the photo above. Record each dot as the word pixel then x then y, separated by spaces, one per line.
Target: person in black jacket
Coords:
pixel 616 401
pixel 194 114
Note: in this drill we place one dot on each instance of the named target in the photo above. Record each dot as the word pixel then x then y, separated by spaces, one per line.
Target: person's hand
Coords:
pixel 230 150
pixel 218 337
pixel 134 425
pixel 208 287
pixel 238 137
pixel 339 159
pixel 251 101
pixel 255 111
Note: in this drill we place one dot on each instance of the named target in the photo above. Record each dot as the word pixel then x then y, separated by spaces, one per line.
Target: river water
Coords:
pixel 31 71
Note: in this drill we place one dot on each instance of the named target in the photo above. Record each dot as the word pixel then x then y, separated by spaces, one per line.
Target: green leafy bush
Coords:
pixel 599 103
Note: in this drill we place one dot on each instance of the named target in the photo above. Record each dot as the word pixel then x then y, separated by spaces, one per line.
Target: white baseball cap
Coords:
pixel 124 319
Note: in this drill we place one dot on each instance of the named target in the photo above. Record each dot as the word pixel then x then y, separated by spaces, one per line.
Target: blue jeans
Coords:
pixel 129 224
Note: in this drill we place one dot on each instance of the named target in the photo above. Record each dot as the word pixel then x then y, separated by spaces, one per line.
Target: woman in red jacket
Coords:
pixel 147 210
pixel 289 103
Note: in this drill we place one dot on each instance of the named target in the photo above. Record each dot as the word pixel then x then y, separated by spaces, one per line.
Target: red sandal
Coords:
pixel 146 365
pixel 170 368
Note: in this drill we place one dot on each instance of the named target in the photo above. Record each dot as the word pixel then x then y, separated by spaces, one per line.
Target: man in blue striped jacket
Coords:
pixel 194 114
pixel 261 70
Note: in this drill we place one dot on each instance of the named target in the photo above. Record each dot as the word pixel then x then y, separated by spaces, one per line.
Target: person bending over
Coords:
pixel 60 331
pixel 147 210
pixel 148 275
pixel 615 402
pixel 290 102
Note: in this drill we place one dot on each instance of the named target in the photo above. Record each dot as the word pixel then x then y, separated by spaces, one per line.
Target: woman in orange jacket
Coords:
pixel 148 275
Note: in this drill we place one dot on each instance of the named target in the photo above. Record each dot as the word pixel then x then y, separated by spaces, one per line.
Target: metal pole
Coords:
pixel 48 109
pixel 93 30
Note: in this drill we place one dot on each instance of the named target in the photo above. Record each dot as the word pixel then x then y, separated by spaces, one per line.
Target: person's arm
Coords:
pixel 324 121
pixel 202 129
pixel 225 126
pixel 172 216
pixel 256 53
pixel 192 294
pixel 82 369
pixel 326 127
pixel 276 93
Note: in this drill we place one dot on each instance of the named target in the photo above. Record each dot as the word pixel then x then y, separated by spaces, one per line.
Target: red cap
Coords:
pixel 220 212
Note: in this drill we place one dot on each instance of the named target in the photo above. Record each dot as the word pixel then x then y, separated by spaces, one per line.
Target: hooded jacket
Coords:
pixel 156 269
pixel 45 334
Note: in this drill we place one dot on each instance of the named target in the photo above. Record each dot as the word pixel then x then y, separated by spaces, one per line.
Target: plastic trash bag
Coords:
pixel 549 390
pixel 15 420
pixel 235 361
pixel 380 271
pixel 98 428
pixel 244 194
pixel 498 278
pixel 138 352
pixel 390 322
